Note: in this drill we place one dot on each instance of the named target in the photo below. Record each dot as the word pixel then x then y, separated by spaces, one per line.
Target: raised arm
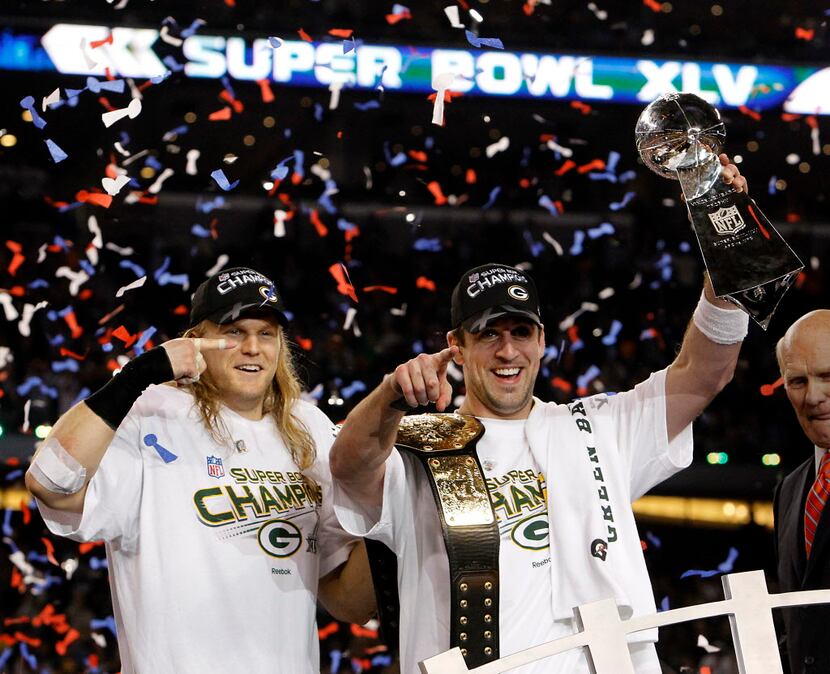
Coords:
pixel 68 458
pixel 710 348
pixel 358 455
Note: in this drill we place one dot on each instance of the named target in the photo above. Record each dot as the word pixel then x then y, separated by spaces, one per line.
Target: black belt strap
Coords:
pixel 445 446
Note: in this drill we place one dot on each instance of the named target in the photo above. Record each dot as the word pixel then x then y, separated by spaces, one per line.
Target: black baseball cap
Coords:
pixel 227 294
pixel 492 291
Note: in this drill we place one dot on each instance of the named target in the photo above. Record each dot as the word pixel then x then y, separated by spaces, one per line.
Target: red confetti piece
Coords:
pixel 328 630
pixel 435 190
pixel 17 291
pixel 123 334
pixel 529 7
pixel 62 645
pixel 653 5
pixel 12 460
pixel 344 285
pixel 94 198
pixel 265 91
pixel 643 544
pixel 104 101
pixel 321 228
pixel 305 343
pixel 385 289
pixel 769 389
pixel 304 36
pixel 220 115
pixel 419 155
pixel 470 177
pixel 72 322
pixel 15 582
pixel 595 165
pixel 85 294
pixel 50 551
pixel 425 283
pixel 16 621
pixel 71 354
pixel 84 548
pixel 561 384
pixel 94 44
pixel 584 108
pixel 24 508
pixel 230 3
pixel 789 116
pixel 793 217
pixel 812 122
pixel 750 113
pixel 805 33
pixel 392 19
pixel 573 334
pixel 359 631
pixel 181 310
pixel 25 638
pixel 567 166
pixel 17 258
pixel 344 33
pixel 235 103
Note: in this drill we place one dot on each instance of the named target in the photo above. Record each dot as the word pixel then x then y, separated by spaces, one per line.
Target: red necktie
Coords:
pixel 816 500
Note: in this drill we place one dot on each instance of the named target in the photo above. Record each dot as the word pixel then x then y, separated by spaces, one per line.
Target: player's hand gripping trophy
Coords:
pixel 680 136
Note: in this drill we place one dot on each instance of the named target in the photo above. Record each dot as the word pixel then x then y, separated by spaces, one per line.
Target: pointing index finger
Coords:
pixel 215 344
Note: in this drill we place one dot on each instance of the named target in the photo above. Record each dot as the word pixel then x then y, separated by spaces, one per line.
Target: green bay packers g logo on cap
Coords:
pixel 268 293
pixel 279 538
pixel 518 293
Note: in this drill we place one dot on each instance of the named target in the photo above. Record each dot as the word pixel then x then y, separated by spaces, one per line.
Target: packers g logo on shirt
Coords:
pixel 518 293
pixel 532 532
pixel 279 538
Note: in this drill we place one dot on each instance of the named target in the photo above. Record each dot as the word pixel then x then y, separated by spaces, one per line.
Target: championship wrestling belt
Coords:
pixel 445 446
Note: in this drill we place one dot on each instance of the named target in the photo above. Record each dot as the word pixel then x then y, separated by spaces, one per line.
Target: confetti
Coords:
pixel 219 176
pixel 58 155
pixel 480 42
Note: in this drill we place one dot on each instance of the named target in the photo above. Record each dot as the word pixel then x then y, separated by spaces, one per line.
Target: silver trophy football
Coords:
pixel 679 136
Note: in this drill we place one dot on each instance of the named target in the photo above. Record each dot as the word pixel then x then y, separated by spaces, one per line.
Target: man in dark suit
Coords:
pixel 802 523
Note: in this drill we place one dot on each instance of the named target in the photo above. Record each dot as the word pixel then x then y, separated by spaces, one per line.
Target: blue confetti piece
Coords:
pixel 146 336
pixel 29 104
pixel 368 105
pixel 579 238
pixel 281 170
pixel 108 623
pixel 604 228
pixel 417 346
pixel 547 203
pixel 656 542
pixel 684 247
pixel 38 283
pixel 96 563
pixel 275 42
pixel 318 112
pixel 57 340
pixel 58 155
pixel 345 226
pixel 429 142
pixel 173 64
pixel 153 163
pixel 771 185
pixel 36 383
pixel 299 161
pixel 382 660
pixel 617 205
pixel 137 269
pixel 201 232
pixel 536 247
pixel 397 160
pixel 226 82
pixel 628 175
pixel 67 365
pixel 611 337
pixel 589 376
pixel 219 176
pixel 664 604
pixel 210 205
pixel 150 440
pixel 349 45
pixel 192 28
pixel 724 567
pixel 483 41
pixel 432 245
pixel 664 264
pixel 84 392
pixel 494 193
pixel 30 658
pixel 613 159
pixel 86 265
pixel 33 556
pixel 7 522
pixel 8 652
pixel 348 391
pixel 173 279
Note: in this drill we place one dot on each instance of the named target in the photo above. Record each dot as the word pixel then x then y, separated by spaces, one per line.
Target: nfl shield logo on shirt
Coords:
pixel 215 467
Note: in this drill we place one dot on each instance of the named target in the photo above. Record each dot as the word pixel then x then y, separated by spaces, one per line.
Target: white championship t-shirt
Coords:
pixel 214 553
pixel 410 526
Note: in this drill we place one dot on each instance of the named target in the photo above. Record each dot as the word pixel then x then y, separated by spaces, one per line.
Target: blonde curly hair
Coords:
pixel 279 402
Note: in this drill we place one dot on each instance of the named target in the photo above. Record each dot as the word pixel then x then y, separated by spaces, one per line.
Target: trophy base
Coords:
pixel 748 260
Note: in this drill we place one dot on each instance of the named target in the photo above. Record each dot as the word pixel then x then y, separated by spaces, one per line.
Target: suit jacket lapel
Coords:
pixel 802 482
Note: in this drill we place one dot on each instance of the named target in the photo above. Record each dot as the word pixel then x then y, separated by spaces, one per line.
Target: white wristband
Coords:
pixel 722 326
pixel 57 470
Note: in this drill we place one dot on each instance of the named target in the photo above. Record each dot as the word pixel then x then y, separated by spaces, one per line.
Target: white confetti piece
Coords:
pixel 221 261
pixel 76 278
pixel 131 286
pixel 453 15
pixel 9 309
pixel 112 186
pixel 54 97
pixel 499 146
pixel 192 156
pixel 155 188
pixel 132 111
